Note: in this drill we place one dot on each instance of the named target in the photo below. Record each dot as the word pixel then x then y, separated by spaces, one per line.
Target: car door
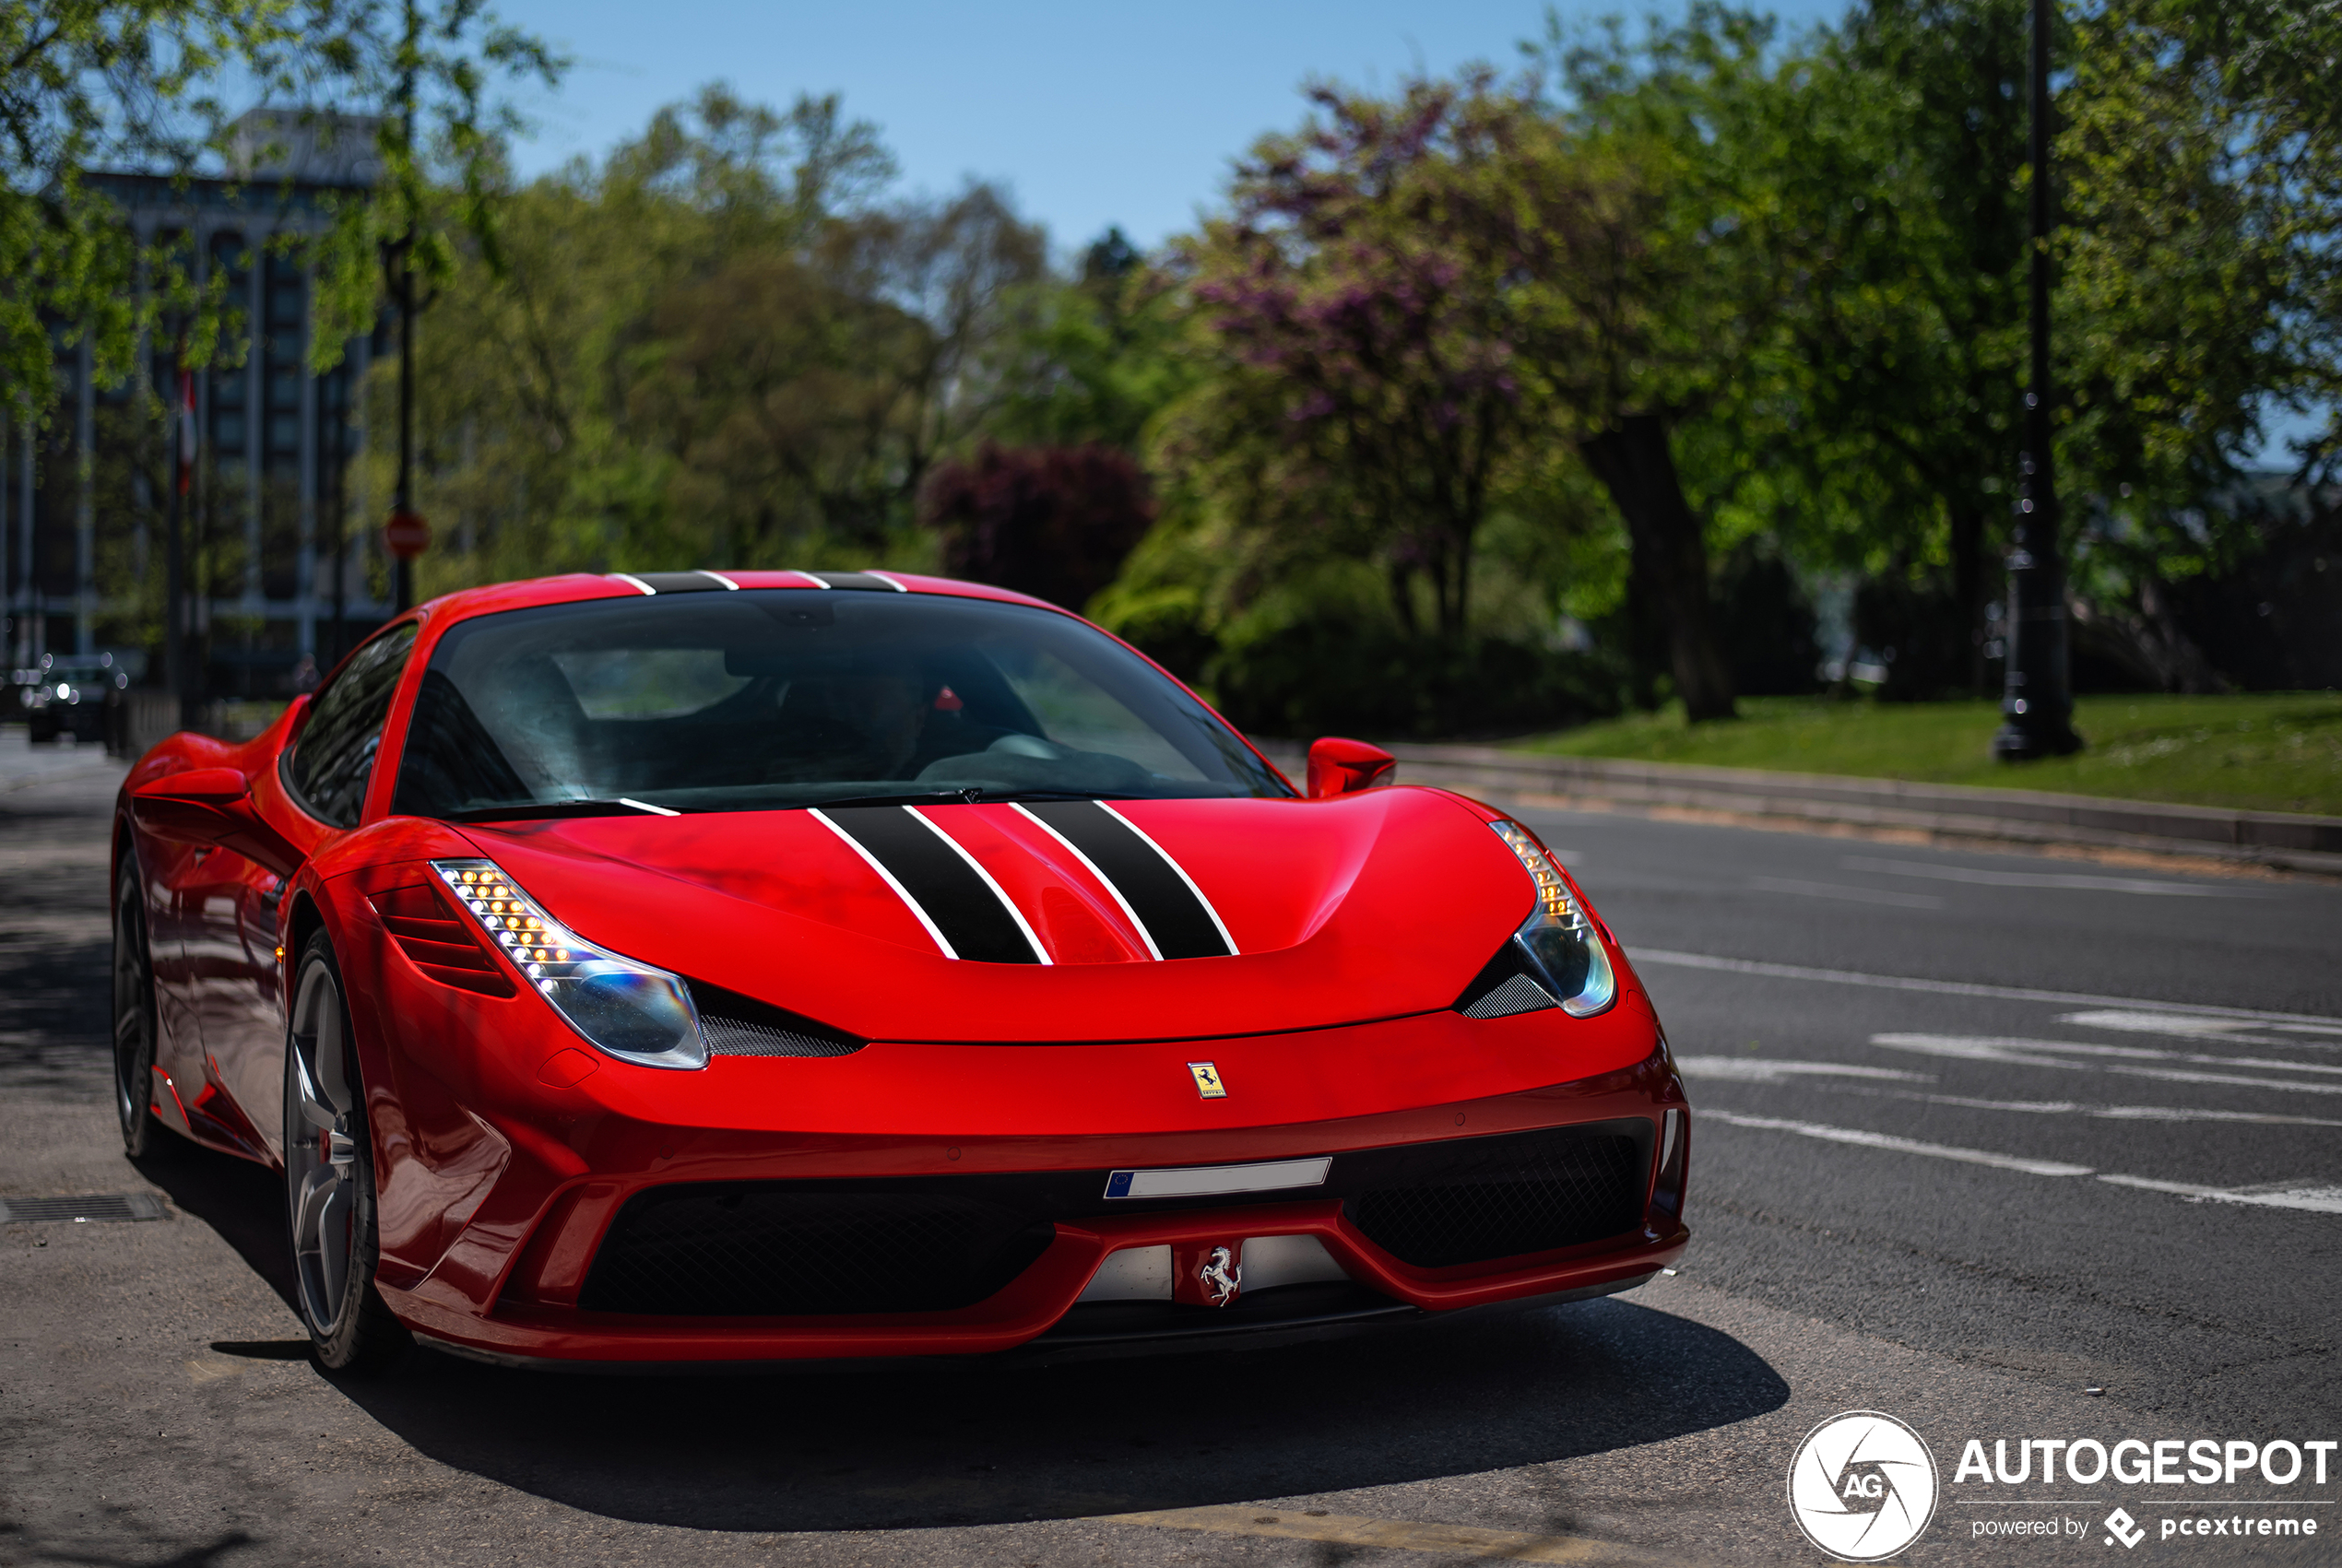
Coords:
pixel 169 871
pixel 232 933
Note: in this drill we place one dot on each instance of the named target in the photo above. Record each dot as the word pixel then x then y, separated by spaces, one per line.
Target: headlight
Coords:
pixel 1563 956
pixel 633 1011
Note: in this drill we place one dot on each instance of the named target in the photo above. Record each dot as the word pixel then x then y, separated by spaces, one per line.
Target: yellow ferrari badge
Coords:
pixel 1207 1080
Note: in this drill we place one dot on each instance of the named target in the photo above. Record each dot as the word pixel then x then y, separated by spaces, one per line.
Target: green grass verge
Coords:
pixel 2263 753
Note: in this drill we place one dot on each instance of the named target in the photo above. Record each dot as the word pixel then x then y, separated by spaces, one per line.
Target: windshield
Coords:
pixel 762 699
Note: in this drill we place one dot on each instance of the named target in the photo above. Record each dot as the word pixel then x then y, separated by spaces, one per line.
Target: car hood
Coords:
pixel 1364 906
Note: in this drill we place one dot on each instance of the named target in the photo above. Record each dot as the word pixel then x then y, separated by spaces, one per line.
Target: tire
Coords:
pixel 329 1177
pixel 144 1136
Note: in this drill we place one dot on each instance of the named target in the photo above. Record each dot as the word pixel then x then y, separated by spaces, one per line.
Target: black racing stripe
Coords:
pixel 1164 902
pixel 679 581
pixel 862 580
pixel 954 897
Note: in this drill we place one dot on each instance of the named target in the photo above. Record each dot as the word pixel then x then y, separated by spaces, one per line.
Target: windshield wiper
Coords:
pixel 620 807
pixel 963 797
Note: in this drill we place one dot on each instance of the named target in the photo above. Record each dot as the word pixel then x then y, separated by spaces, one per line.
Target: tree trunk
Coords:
pixel 1632 460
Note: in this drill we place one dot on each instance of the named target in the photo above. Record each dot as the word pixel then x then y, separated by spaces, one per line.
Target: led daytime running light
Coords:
pixel 632 1010
pixel 1558 938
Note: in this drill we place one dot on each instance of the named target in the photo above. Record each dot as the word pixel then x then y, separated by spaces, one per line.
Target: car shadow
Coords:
pixel 970 1444
pixel 242 1201
pixel 953 1442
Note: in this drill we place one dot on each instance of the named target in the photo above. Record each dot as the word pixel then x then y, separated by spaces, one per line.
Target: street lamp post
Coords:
pixel 2037 705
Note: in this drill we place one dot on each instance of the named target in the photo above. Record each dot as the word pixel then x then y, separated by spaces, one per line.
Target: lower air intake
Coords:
pixel 787 1249
pixel 1483 1199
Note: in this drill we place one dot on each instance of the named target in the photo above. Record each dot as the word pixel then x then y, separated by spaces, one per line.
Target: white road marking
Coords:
pixel 1641 956
pixel 2282 1194
pixel 2169 1075
pixel 1761 1069
pixel 2116 1021
pixel 2051 879
pixel 1845 894
pixel 1999 1048
pixel 1900 1145
pixel 2101 1113
pixel 2313 1199
pixel 1973 1048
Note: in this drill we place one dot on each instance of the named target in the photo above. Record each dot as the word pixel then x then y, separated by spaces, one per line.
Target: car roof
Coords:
pixel 580 586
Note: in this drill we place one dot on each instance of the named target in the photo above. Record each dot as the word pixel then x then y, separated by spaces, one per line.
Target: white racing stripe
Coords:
pixel 1023 926
pixel 1104 880
pixel 887 876
pixel 1168 860
pixel 1641 956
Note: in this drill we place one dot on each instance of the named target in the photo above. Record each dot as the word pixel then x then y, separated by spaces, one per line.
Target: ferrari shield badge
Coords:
pixel 1207 1080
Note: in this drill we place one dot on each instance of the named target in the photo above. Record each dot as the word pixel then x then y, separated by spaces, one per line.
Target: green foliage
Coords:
pixel 720 345
pixel 94 85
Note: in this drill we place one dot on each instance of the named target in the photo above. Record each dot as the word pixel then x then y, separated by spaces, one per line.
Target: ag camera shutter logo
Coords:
pixel 1862 1486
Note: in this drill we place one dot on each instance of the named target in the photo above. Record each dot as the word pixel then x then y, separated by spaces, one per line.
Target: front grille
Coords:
pixel 787 1249
pixel 937 1243
pixel 1484 1199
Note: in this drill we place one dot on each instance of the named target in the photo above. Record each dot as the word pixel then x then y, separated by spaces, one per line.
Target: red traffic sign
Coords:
pixel 405 535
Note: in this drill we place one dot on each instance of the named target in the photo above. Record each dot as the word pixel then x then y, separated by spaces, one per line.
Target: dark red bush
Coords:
pixel 1055 522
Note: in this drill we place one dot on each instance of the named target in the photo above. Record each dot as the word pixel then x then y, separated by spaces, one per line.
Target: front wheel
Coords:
pixel 329 1177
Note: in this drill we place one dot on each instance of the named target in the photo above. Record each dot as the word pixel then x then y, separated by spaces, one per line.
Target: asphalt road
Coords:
pixel 1975 1135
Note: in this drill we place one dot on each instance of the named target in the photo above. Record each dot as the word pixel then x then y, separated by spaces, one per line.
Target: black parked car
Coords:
pixel 69 694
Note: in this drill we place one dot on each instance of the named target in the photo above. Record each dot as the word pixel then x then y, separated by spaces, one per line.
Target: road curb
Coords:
pixel 2281 841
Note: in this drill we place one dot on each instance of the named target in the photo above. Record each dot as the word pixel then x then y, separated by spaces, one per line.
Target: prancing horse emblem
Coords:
pixel 1222 1277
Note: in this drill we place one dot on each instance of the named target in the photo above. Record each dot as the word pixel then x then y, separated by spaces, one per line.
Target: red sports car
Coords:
pixel 700 966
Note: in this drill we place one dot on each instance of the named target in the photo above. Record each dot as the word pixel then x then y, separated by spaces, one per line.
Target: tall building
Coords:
pixel 284 559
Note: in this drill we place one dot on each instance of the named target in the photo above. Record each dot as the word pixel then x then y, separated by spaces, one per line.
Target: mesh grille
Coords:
pixel 1518 995
pixel 745 1037
pixel 791 1249
pixel 1502 1197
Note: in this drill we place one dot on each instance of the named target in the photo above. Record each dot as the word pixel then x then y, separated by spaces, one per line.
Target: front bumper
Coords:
pixel 544 1305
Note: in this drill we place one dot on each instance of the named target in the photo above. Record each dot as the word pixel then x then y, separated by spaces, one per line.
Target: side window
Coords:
pixel 334 756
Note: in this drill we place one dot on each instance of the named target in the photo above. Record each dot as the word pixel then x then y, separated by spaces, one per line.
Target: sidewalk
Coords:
pixel 23 764
pixel 2275 839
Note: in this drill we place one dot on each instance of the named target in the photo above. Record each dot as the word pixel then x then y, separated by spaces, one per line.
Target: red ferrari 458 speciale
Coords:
pixel 703 967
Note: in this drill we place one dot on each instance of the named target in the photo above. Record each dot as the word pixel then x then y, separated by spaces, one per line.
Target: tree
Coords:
pixel 1364 391
pixel 92 84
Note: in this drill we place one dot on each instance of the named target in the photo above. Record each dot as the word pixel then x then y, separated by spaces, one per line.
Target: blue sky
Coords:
pixel 1091 113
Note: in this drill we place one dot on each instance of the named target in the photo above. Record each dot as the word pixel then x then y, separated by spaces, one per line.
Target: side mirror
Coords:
pixel 212 807
pixel 1344 767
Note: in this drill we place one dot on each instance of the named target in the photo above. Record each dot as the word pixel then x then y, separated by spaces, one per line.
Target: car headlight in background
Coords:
pixel 1563 956
pixel 633 1011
